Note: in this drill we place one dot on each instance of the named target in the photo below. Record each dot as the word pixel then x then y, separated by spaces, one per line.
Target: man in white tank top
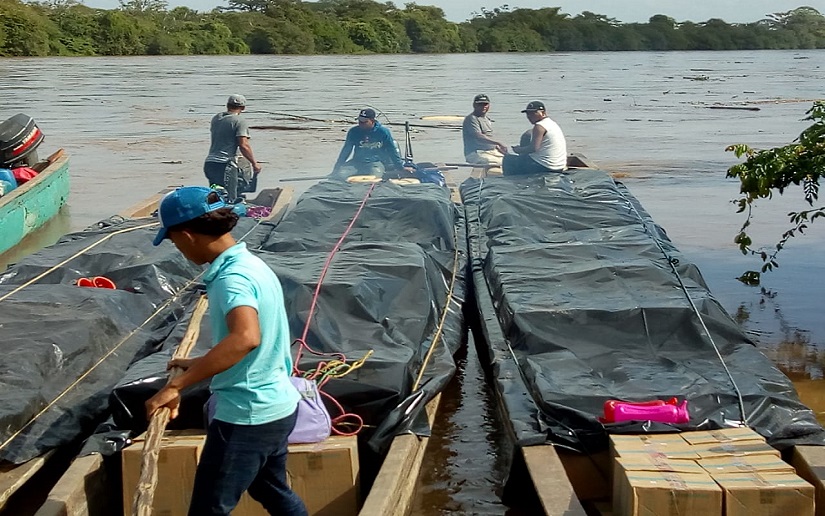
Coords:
pixel 546 150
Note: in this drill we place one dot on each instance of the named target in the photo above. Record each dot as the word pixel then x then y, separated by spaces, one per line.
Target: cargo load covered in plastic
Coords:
pixel 583 299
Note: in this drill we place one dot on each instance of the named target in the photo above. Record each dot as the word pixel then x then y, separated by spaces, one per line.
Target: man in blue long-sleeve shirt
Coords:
pixel 372 147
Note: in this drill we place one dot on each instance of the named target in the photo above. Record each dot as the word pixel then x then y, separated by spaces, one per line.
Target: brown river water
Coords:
pixel 134 125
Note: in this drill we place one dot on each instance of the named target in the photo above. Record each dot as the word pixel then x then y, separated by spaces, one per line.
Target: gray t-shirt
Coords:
pixel 472 125
pixel 226 128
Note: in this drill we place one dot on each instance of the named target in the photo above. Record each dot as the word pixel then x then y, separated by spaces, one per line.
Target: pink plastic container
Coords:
pixel 662 413
pixel 610 407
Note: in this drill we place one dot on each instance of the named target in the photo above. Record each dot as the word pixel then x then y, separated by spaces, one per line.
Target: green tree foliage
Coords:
pixel 428 31
pixel 77 27
pixel 280 37
pixel 117 35
pixel 143 6
pixel 24 30
pixel 774 170
pixel 66 27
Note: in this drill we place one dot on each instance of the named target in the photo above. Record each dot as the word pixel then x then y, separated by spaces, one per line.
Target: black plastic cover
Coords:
pixel 387 290
pixel 63 347
pixel 582 298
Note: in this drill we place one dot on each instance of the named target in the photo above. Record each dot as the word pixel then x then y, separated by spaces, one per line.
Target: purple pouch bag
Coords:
pixel 313 424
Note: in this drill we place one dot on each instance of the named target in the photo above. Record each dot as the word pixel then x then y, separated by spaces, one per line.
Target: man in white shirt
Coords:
pixel 546 150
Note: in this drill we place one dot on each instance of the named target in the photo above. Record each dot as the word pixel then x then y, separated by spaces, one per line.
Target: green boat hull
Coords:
pixel 28 207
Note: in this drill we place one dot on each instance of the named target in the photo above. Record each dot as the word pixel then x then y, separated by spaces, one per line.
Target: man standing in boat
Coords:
pixel 372 148
pixel 477 132
pixel 229 134
pixel 249 364
pixel 546 149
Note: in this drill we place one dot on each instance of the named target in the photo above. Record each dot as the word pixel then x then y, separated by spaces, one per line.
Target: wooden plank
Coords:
pixel 146 207
pixel 393 489
pixel 13 477
pixel 550 479
pixel 809 463
pixel 280 206
pixel 278 198
pixel 82 486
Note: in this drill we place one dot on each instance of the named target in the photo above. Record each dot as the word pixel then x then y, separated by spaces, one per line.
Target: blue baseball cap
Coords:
pixel 182 205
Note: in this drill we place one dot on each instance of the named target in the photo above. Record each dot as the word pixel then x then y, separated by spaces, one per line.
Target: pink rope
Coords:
pixel 302 343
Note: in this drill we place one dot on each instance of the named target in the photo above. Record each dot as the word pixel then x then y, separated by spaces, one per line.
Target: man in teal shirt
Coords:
pixel 250 364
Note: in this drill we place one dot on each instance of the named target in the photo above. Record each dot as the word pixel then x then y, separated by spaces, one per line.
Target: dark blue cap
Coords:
pixel 367 113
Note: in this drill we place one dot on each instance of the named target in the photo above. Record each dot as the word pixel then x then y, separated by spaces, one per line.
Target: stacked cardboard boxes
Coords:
pixel 731 472
pixel 325 475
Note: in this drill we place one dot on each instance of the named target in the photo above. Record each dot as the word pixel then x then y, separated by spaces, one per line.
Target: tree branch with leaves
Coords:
pixel 767 171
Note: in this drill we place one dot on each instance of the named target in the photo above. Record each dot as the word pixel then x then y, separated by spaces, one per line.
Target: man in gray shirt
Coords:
pixel 230 133
pixel 477 130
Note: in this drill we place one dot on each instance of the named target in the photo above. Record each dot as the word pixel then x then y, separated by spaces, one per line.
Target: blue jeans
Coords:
pixel 238 458
pixel 522 164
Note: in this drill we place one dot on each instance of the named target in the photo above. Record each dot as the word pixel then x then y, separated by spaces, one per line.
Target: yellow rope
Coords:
pixel 440 328
pixel 72 257
pixel 336 368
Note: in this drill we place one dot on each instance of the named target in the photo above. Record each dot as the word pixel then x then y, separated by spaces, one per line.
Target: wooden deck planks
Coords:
pixel 550 479
pixel 393 490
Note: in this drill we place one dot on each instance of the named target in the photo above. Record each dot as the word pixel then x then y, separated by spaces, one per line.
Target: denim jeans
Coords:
pixel 522 164
pixel 238 458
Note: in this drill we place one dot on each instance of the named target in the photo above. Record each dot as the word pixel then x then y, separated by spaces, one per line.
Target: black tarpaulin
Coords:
pixel 582 299
pixel 63 347
pixel 395 286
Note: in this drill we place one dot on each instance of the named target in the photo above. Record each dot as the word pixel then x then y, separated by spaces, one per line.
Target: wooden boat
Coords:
pixel 86 488
pixel 568 483
pixel 34 203
pixel 54 177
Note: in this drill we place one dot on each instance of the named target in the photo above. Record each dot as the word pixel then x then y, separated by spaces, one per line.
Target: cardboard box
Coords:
pixel 656 462
pixel 671 446
pixel 746 464
pixel 809 463
pixel 725 435
pixel 766 494
pixel 662 493
pixel 734 449
pixel 325 475
pixel 652 462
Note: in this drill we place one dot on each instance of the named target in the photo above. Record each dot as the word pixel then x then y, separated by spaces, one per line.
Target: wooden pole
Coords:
pixel 148 481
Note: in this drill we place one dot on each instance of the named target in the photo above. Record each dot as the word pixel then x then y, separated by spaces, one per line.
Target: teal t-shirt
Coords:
pixel 257 389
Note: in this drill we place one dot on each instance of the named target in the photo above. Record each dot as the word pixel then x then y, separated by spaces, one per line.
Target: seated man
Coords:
pixel 372 148
pixel 546 149
pixel 477 132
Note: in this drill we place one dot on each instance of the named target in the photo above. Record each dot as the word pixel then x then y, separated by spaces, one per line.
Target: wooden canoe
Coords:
pixel 87 489
pixel 567 483
pixel 28 207
pixel 54 176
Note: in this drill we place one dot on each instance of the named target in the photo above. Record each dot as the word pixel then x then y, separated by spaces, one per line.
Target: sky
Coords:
pixel 626 11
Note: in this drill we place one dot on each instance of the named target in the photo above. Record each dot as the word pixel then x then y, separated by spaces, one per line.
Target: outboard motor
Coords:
pixel 19 139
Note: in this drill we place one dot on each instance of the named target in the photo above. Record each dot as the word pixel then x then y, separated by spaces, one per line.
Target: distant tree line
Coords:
pixel 148 27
